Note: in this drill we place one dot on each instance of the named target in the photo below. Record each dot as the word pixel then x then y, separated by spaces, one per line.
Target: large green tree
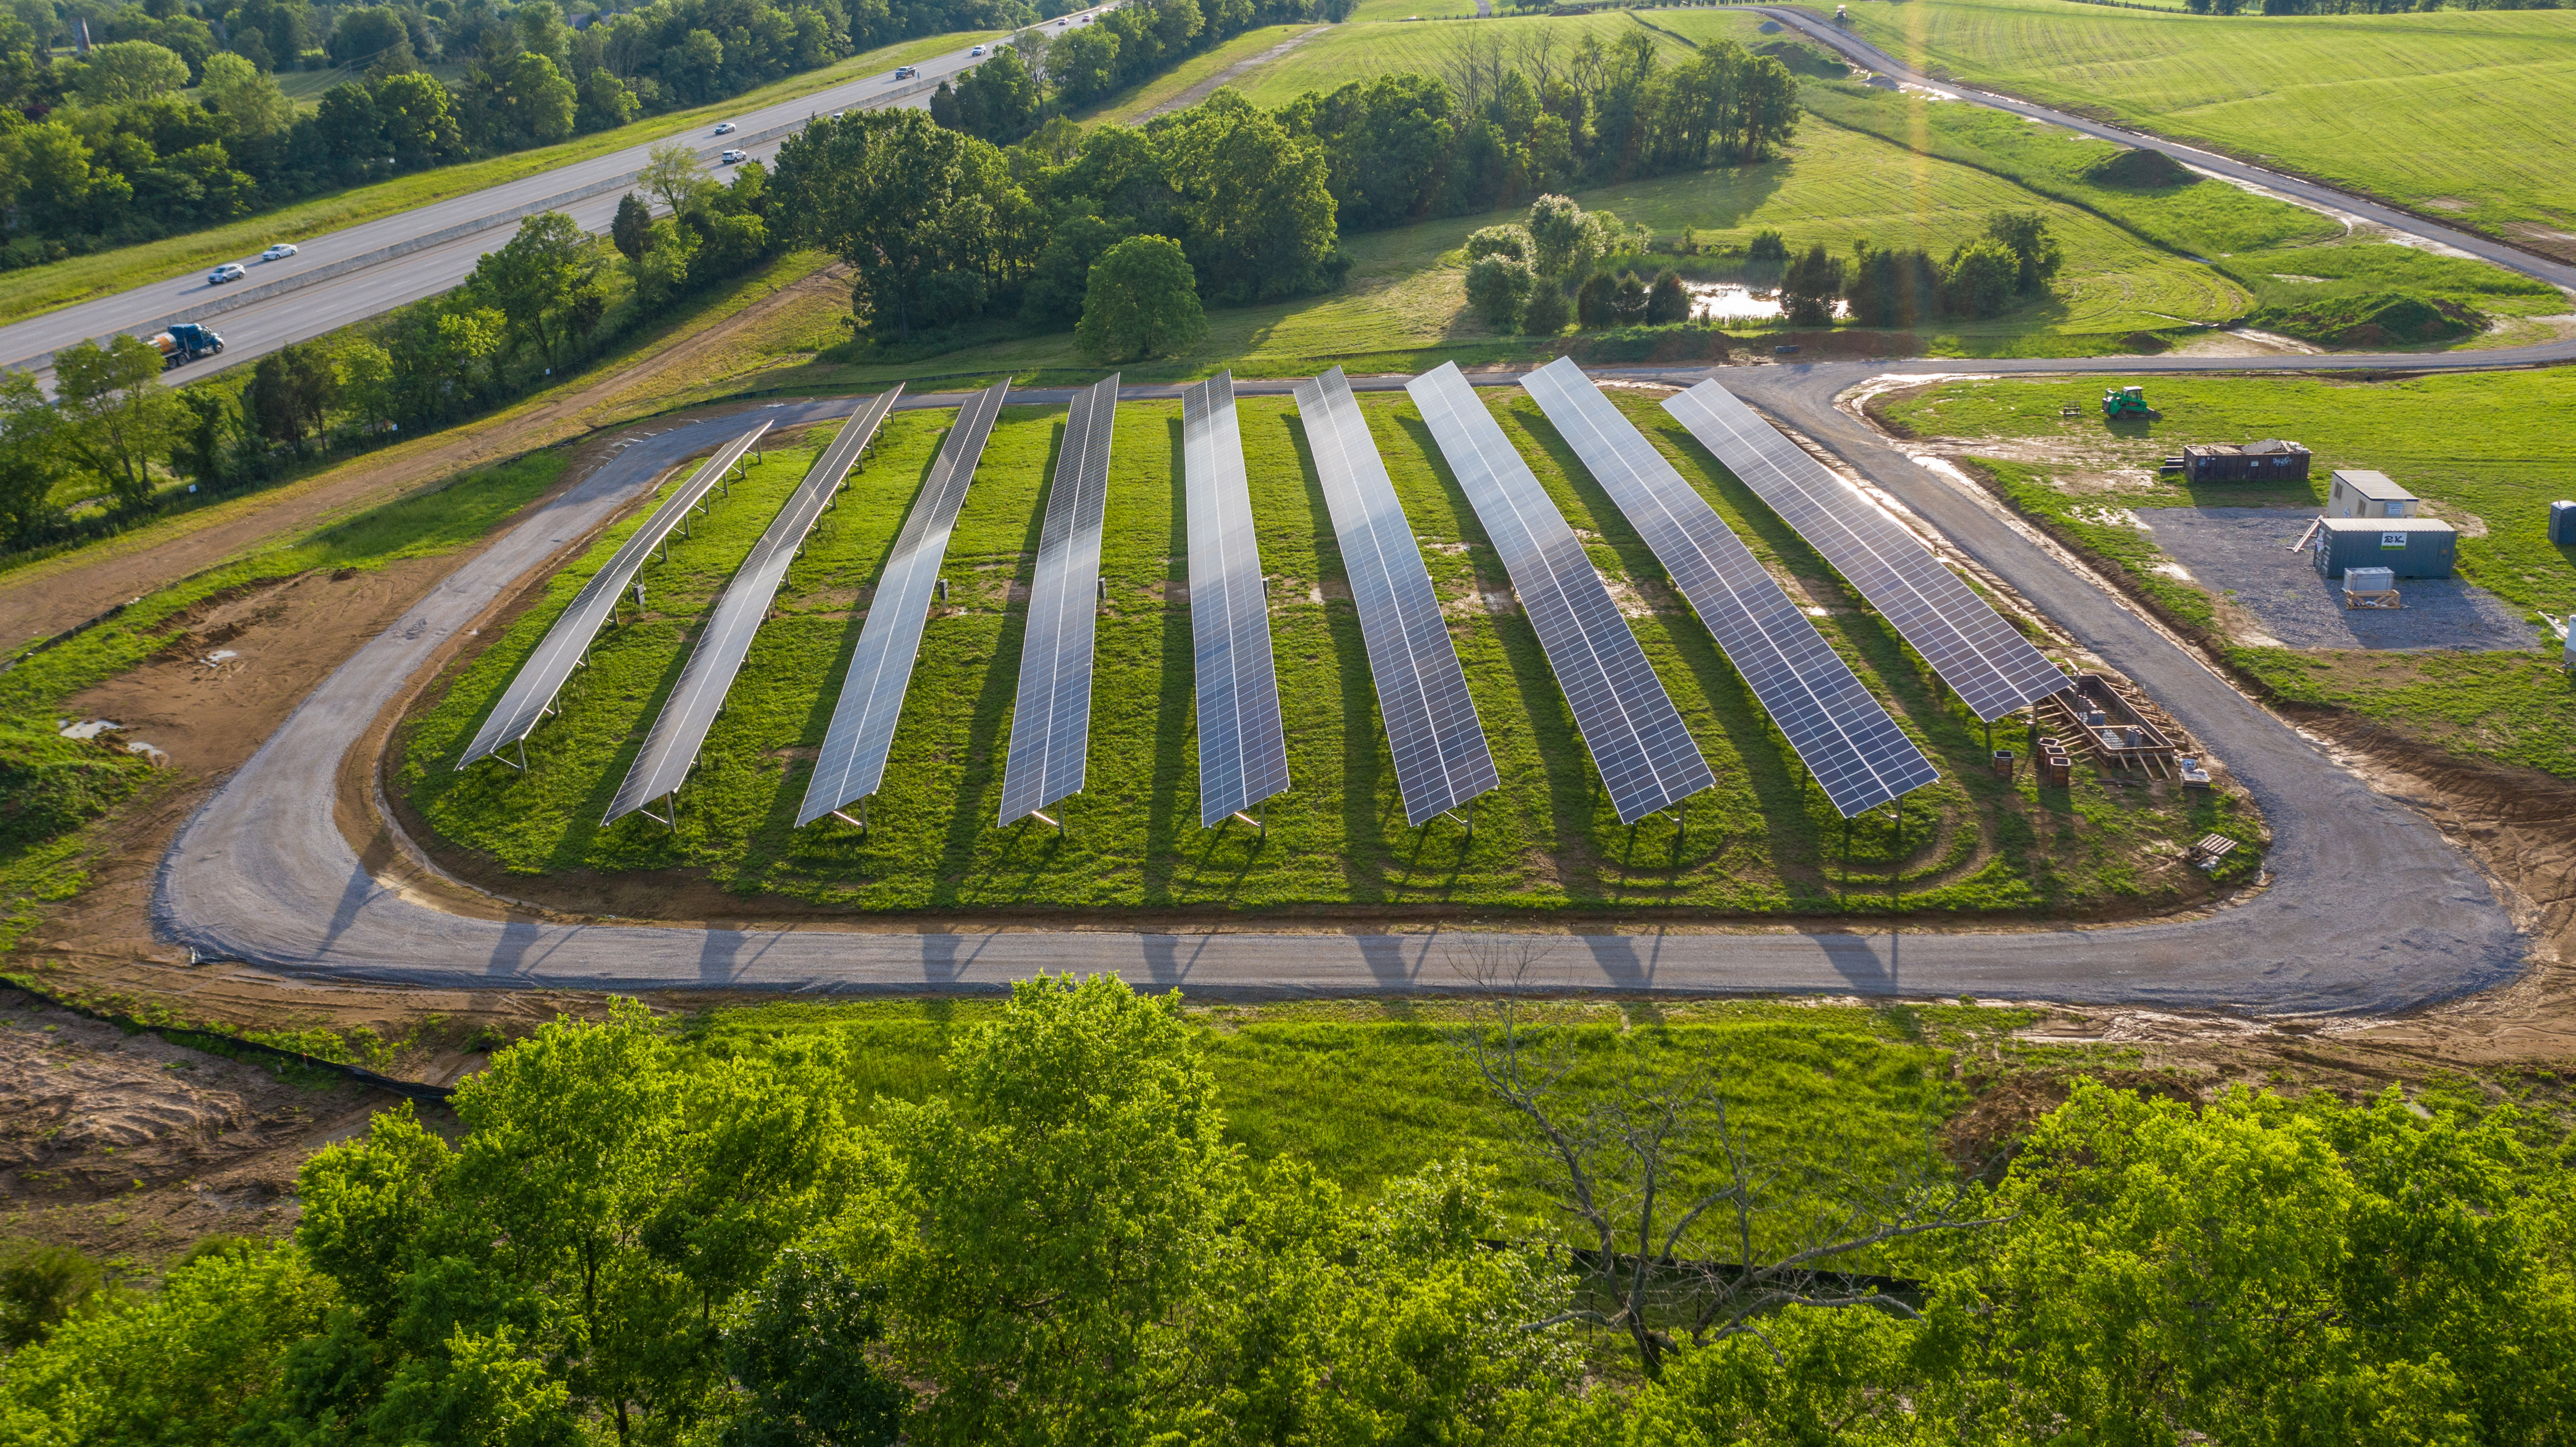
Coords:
pixel 1255 203
pixel 117 417
pixel 928 218
pixel 1141 300
pixel 30 459
pixel 535 279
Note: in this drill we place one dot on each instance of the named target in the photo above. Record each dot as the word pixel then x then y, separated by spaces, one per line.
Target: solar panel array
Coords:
pixel 1051 724
pixel 1849 744
pixel 671 749
pixel 1243 750
pixel 532 691
pixel 1639 744
pixel 1992 668
pixel 854 752
pixel 1431 729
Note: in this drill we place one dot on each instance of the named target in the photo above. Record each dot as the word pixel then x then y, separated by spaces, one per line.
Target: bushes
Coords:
pixel 1141 301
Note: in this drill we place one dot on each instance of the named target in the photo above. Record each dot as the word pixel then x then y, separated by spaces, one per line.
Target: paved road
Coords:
pixel 354 273
pixel 1869 57
pixel 2370 909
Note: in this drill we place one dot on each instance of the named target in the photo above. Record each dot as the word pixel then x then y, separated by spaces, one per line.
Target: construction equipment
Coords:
pixel 185 343
pixel 2122 402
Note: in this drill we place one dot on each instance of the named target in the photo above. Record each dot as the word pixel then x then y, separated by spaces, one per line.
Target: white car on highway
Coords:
pixel 978 50
pixel 279 252
pixel 725 128
pixel 731 157
pixel 229 271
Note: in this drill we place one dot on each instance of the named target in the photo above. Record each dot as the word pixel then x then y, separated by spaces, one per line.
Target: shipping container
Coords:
pixel 2358 494
pixel 2407 547
pixel 2268 461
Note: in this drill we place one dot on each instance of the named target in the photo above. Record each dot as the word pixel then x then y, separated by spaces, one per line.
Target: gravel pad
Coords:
pixel 2245 551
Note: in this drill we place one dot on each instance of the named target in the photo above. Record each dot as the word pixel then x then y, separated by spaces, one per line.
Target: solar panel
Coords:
pixel 1243 751
pixel 1051 724
pixel 1643 751
pixel 1992 668
pixel 532 690
pixel 671 749
pixel 1847 741
pixel 1431 728
pixel 854 751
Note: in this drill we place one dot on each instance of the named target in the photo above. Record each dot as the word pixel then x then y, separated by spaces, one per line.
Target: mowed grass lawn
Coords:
pixel 2488 451
pixel 1762 844
pixel 2461 112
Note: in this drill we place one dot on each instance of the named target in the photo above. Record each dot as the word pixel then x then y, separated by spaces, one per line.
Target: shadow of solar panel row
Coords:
pixel 1051 723
pixel 1644 753
pixel 532 691
pixel 1243 750
pixel 1838 728
pixel 1992 668
pixel 853 760
pixel 671 749
pixel 1431 730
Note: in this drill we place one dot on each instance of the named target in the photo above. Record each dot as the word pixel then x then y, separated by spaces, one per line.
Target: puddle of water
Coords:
pixel 1733 301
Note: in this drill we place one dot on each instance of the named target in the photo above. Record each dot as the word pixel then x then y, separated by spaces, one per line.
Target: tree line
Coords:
pixel 551 297
pixel 174 120
pixel 1042 73
pixel 625 1240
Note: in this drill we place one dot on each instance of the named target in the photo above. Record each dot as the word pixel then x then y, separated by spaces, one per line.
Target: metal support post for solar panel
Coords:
pixel 1045 819
pixel 1259 824
pixel 1896 863
pixel 942 590
pixel 861 822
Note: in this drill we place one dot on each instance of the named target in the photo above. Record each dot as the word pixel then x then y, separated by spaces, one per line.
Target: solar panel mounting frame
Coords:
pixel 1051 720
pixel 1243 749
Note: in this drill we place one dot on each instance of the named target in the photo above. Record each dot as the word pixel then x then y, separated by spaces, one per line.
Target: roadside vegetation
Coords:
pixel 2482 449
pixel 1060 1228
pixel 2451 112
pixel 1761 845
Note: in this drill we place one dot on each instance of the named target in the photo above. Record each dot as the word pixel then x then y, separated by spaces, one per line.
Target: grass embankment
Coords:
pixel 66 783
pixel 2488 451
pixel 43 288
pixel 1760 845
pixel 1371 1091
pixel 1133 105
pixel 2457 113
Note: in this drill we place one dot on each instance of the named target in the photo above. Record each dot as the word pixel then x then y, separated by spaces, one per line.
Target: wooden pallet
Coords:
pixel 2210 849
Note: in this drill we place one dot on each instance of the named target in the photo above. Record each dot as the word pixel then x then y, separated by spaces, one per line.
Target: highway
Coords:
pixel 349 275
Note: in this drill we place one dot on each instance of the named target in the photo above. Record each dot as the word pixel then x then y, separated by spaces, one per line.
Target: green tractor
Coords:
pixel 2122 402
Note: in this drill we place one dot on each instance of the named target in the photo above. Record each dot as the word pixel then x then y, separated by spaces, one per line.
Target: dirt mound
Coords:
pixel 2139 170
pixel 2373 319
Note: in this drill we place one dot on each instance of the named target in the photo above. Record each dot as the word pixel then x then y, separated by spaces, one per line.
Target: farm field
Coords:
pixel 1761 845
pixel 2456 113
pixel 1361 51
pixel 1135 104
pixel 2484 451
pixel 42 288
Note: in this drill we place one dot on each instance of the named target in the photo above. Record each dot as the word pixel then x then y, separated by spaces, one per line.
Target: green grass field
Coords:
pixel 1759 846
pixel 1360 51
pixel 1370 1091
pixel 2487 451
pixel 43 288
pixel 1133 105
pixel 2459 113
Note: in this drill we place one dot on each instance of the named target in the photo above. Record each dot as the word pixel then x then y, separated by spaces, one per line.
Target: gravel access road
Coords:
pixel 2369 908
pixel 351 274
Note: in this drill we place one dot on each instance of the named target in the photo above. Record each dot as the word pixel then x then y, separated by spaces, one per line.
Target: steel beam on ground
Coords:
pixel 852 763
pixel 680 730
pixel 1639 744
pixel 532 690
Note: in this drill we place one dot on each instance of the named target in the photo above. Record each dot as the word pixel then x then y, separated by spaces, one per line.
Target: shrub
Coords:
pixel 1597 304
pixel 1505 241
pixel 1498 287
pixel 1628 301
pixel 1668 301
pixel 1767 246
pixel 1547 312
pixel 1810 286
pixel 1982 279
pixel 1893 288
pixel 1142 300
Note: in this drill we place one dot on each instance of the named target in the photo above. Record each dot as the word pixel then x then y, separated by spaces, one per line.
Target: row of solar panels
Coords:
pixel 1640 746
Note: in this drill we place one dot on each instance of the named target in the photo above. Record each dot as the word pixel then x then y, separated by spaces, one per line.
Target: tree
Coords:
pixel 800 1349
pixel 534 278
pixel 1635 1143
pixel 418 122
pixel 1257 216
pixel 673 175
pixel 1596 303
pixel 1512 242
pixel 366 375
pixel 633 226
pixel 249 103
pixel 129 70
pixel 1548 310
pixel 1628 300
pixel 30 459
pixel 606 102
pixel 1809 287
pixel 1054 1207
pixel 2036 253
pixel 291 394
pixel 371 39
pixel 1498 287
pixel 1981 278
pixel 117 416
pixel 1565 240
pixel 526 100
pixel 1141 300
pixel 921 214
pixel 1668 301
